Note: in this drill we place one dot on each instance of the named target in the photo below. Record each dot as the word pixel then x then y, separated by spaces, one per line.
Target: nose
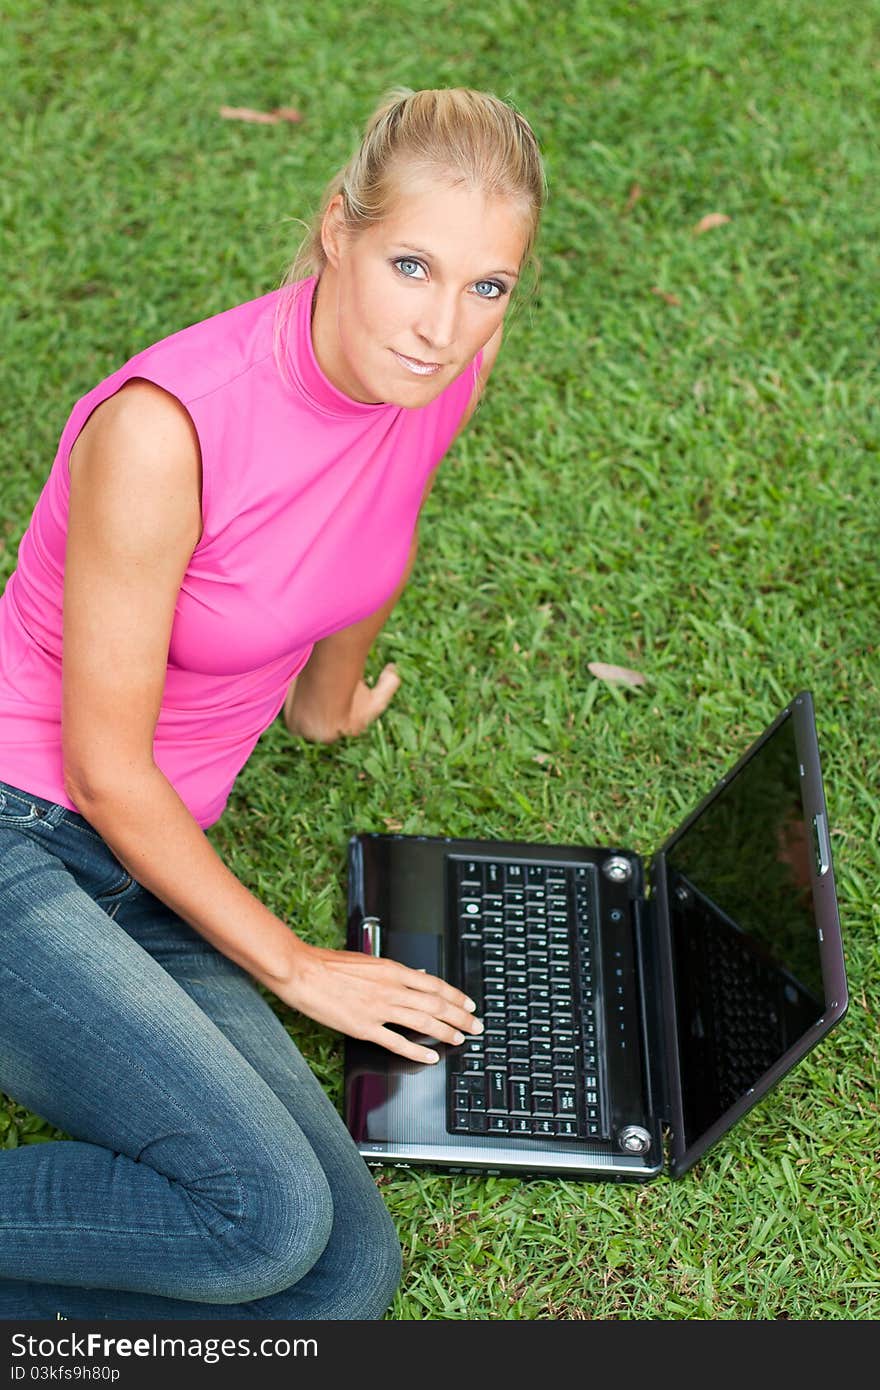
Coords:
pixel 438 321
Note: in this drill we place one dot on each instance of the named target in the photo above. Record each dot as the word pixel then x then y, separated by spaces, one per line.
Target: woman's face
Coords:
pixel 404 305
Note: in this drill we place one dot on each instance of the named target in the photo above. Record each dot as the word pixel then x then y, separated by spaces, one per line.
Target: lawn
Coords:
pixel 674 470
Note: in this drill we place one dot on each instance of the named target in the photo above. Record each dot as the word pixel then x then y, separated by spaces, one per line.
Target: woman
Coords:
pixel 231 517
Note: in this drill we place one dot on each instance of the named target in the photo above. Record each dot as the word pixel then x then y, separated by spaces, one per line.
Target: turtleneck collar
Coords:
pixel 303 364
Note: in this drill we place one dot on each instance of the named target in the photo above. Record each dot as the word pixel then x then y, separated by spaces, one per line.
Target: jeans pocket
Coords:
pixel 18 808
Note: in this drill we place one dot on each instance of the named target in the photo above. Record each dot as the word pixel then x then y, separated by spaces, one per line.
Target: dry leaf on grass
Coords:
pixel 665 295
pixel 615 673
pixel 712 219
pixel 246 113
pixel 635 194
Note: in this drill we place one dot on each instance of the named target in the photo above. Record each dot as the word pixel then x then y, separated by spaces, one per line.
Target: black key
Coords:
pixel 479 1123
pixel 498 1124
pixel 542 1102
pixel 521 1124
pixel 497 1089
pixel 568 1128
pixel 564 1101
pixel 520 1097
pixel 460 1118
pixel 472 972
pixel 513 875
pixel 544 1126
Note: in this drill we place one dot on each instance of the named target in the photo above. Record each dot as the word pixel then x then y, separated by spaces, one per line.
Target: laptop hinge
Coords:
pixel 665 1015
pixel 651 994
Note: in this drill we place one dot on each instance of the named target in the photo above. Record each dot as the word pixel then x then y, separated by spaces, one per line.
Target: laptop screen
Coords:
pixel 747 942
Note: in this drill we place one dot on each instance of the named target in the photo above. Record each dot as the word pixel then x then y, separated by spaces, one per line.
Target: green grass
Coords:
pixel 688 488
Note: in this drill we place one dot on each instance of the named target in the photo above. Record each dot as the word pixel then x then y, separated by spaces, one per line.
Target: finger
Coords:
pixel 443 995
pixel 429 1024
pixel 432 984
pixel 433 1007
pixel 387 683
pixel 395 1042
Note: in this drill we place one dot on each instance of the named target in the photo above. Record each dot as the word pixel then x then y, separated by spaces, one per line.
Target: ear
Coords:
pixel 333 229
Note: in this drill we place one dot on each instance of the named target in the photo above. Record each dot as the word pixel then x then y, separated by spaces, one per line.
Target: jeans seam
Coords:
pixel 69 1230
pixel 83 829
pixel 169 1100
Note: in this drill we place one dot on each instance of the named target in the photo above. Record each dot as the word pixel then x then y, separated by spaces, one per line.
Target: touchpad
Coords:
pixel 418 949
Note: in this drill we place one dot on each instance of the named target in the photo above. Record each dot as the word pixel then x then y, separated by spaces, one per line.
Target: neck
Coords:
pixel 325 335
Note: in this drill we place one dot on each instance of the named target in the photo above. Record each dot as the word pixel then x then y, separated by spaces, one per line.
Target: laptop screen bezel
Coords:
pixel 800 711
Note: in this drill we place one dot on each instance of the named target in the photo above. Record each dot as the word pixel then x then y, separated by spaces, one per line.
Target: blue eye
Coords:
pixel 409 268
pixel 489 289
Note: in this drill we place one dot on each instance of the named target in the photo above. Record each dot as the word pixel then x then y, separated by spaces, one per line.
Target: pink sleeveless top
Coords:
pixel 309 502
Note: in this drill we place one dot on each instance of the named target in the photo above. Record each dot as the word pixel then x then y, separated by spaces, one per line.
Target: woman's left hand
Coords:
pixel 325 726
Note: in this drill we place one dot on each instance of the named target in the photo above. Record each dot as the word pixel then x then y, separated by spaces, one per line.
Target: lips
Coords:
pixel 417 367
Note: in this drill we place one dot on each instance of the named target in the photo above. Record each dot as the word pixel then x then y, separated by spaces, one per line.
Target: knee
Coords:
pixel 283 1228
pixel 361 1269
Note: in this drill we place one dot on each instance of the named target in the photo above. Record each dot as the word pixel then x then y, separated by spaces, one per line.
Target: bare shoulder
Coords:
pixel 143 420
pixel 141 444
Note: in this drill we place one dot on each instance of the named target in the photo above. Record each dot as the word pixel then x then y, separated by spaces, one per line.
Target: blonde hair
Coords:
pixel 464 136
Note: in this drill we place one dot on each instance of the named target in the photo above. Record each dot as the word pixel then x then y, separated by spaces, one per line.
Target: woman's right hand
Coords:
pixel 361 995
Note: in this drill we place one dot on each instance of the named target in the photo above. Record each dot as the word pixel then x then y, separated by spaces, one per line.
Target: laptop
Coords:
pixel 632 1013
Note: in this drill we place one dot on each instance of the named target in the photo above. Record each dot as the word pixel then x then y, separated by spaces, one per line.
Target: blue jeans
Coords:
pixel 208 1175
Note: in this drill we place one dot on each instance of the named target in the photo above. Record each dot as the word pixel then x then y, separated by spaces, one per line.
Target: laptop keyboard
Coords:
pixel 525 951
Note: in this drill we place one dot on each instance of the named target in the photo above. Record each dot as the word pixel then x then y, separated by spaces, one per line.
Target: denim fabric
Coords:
pixel 208 1176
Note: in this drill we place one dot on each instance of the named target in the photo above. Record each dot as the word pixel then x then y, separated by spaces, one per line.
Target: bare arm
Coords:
pixel 134 521
pixel 330 698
